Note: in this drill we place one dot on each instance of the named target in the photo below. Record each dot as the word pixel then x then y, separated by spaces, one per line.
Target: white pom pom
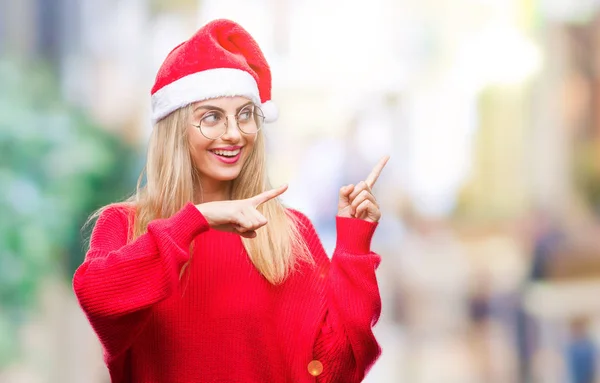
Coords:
pixel 270 110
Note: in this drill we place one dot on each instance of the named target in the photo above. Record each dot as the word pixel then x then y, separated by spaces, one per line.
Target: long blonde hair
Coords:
pixel 172 181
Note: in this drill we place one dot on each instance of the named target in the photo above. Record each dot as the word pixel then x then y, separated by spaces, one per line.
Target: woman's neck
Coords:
pixel 215 191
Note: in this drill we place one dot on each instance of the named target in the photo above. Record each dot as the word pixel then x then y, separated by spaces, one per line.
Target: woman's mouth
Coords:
pixel 228 155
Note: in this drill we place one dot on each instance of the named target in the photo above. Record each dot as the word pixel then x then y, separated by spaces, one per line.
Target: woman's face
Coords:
pixel 221 158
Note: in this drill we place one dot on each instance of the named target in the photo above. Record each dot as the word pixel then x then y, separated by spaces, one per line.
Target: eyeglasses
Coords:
pixel 214 123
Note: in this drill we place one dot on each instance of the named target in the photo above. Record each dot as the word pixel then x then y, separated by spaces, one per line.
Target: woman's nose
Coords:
pixel 232 132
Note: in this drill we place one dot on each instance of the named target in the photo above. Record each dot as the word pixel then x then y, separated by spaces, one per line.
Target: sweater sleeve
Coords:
pixel 346 345
pixel 120 280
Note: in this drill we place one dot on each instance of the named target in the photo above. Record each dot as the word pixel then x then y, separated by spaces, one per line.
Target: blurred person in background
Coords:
pixel 203 275
pixel 581 352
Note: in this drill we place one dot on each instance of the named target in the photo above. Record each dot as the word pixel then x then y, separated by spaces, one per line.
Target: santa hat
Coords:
pixel 220 59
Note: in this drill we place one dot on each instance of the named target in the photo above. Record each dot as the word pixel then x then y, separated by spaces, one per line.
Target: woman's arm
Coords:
pixel 345 344
pixel 118 282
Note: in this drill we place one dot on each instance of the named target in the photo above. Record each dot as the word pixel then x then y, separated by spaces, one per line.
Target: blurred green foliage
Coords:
pixel 56 167
pixel 162 6
pixel 586 172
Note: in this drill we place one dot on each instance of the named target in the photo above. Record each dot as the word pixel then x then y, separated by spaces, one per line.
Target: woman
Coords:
pixel 203 275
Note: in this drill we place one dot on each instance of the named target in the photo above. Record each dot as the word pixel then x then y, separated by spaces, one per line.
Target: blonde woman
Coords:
pixel 203 275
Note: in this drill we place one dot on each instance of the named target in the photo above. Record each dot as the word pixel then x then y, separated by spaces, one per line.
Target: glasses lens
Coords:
pixel 213 124
pixel 250 119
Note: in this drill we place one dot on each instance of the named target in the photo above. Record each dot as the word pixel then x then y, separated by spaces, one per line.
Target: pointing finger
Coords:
pixel 370 181
pixel 268 195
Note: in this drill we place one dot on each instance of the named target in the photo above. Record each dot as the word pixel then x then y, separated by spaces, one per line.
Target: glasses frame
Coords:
pixel 259 122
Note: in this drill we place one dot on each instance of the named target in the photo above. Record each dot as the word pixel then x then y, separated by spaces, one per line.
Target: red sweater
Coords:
pixel 227 323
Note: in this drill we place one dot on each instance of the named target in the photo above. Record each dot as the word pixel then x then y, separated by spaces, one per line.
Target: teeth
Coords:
pixel 227 153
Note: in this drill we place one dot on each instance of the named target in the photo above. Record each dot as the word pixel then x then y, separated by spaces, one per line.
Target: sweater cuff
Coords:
pixel 354 235
pixel 186 224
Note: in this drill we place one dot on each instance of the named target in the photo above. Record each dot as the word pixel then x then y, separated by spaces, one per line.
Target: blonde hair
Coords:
pixel 172 180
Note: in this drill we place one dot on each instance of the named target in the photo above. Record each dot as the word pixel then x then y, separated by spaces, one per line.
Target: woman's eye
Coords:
pixel 245 114
pixel 211 118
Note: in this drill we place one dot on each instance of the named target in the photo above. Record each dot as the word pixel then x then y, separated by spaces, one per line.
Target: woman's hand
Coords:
pixel 239 216
pixel 358 201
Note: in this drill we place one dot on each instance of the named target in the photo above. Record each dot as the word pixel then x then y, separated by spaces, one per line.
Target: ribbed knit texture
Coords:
pixel 223 322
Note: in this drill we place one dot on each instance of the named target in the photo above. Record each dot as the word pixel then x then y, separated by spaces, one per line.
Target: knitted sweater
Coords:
pixel 225 322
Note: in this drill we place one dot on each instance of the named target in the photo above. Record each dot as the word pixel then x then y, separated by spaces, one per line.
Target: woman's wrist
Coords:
pixel 354 235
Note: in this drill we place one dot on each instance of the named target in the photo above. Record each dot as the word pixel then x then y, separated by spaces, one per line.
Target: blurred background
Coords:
pixel 490 110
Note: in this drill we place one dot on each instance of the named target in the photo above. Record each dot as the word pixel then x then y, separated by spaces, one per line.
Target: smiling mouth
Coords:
pixel 229 156
pixel 226 153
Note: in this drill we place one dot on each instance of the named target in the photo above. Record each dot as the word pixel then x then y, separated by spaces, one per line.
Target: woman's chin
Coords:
pixel 225 175
pixel 220 172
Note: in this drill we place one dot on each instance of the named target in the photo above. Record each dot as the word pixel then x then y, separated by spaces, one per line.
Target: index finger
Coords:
pixel 370 181
pixel 268 195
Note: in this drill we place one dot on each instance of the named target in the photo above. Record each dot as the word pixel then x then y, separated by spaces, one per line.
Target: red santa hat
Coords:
pixel 220 59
